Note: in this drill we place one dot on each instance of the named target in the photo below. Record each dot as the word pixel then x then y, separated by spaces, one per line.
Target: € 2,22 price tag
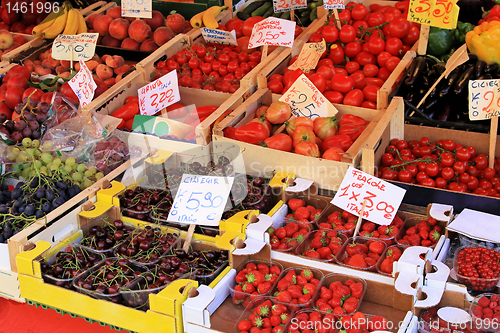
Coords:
pixel 334 4
pixel 382 198
pixel 309 56
pixel 306 100
pixel 71 47
pixel 159 94
pixel 83 84
pixel 287 5
pixel 484 99
pixel 137 8
pixel 437 13
pixel 272 31
pixel 200 199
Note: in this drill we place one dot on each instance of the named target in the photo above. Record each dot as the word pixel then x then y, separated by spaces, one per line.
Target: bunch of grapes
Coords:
pixel 110 154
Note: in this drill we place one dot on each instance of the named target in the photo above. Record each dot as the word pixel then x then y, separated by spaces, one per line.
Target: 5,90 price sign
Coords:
pixel 159 94
pixel 437 13
pixel 382 198
pixel 200 200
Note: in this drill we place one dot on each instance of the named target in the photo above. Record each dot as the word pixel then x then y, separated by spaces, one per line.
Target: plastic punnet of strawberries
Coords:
pixel 477 267
pixel 255 279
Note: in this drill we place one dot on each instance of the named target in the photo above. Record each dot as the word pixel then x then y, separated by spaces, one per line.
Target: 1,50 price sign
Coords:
pixel 437 13
pixel 200 200
pixel 159 94
pixel 382 198
pixel 484 99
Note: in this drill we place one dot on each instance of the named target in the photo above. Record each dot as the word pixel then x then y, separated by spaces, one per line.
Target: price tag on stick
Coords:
pixel 83 84
pixel 436 13
pixel 286 5
pixel 309 56
pixel 217 36
pixel 484 99
pixel 137 8
pixel 159 94
pixel 382 198
pixel 272 31
pixel 306 100
pixel 200 199
pixel 80 45
pixel 334 4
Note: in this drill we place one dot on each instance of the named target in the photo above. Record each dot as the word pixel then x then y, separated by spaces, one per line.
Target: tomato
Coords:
pixel 364 58
pixel 278 112
pixel 298 31
pixel 374 81
pixel 352 49
pixel 291 76
pixel 382 58
pixel 375 19
pixel 489 173
pixel 481 162
pixel 330 33
pixel 192 63
pixel 276 87
pixel 388 174
pixel 352 130
pixel 334 154
pixel 342 83
pixel 359 80
pixel 276 77
pixel 472 151
pixel 399 27
pixel 376 45
pixel 404 176
pixel 315 37
pixel 325 127
pixel 127 111
pixel 394 46
pixel 383 74
pixel 448 145
pixel 252 132
pixel 303 133
pixel 354 97
pixel 412 36
pixel 337 54
pixel 347 34
pixel 370 92
pixel 351 67
pixel 291 125
pixel 360 27
pixel 249 23
pixel 429 182
pixel 307 148
pixel 392 63
pixel 280 141
pixel 370 70
pixel 345 15
pixel 334 96
pixel 369 105
pixel 326 72
pixel 343 142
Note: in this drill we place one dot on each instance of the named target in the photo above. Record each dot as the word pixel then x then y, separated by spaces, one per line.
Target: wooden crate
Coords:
pixel 328 174
pixel 114 98
pixel 32 41
pixel 97 8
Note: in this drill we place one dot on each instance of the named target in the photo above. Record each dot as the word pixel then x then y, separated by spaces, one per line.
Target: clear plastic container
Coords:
pixel 330 278
pixel 400 247
pixel 430 322
pixel 487 324
pixel 315 201
pixel 96 273
pixel 411 222
pixel 317 274
pixel 474 285
pixel 89 229
pixel 306 244
pixel 363 240
pixel 91 257
pixel 137 201
pixel 270 302
pixel 327 324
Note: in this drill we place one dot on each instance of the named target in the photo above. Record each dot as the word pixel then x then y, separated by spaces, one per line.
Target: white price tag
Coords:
pixel 309 56
pixel 382 198
pixel 287 5
pixel 137 8
pixel 217 36
pixel 159 94
pixel 334 4
pixel 83 84
pixel 200 199
pixel 71 47
pixel 484 99
pixel 306 100
pixel 272 31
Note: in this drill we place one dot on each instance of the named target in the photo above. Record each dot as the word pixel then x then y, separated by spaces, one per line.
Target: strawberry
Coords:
pixel 238 293
pixel 374 256
pixel 325 308
pixel 264 269
pixel 176 22
pixel 368 226
pixel 392 231
pixel 377 247
pixel 366 234
pixel 414 240
pixel 275 320
pixel 335 302
pixel 432 221
pixel 275 270
pixel 240 277
pixel 275 242
pixel 325 253
pixel 264 287
pixel 295 291
pixel 309 289
pixel 257 322
pixel 350 305
pixel 426 243
pixel 370 262
pixel 307 274
pixel 495 298
pixel 325 293
pixel 244 325
pixel 394 253
pixel 283 284
pixel 266 322
pixel 314 281
pixel 434 236
pixel 377 323
pixel 295 203
pixel 248 288
pixel 357 261
pixel 352 249
pixel 335 248
pixel 251 266
pixel 283 296
pixel 280 233
pixel 386 265
pixel 284 317
pixel 363 247
pixel 423 233
pixel 278 309
pixel 303 299
pixel 301 280
pixel 338 311
pixel 411 231
pixel 312 254
pixel 255 277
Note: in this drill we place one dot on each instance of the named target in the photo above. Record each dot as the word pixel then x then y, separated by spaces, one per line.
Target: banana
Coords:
pixel 196 21
pixel 82 25
pixel 210 16
pixel 47 22
pixel 72 22
pixel 57 27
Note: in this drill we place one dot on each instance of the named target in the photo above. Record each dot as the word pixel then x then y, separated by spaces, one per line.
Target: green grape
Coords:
pixel 70 161
pixel 77 176
pixel 87 183
pixel 38 153
pixel 81 168
pixel 88 173
pixel 46 158
pixel 99 175
pixel 25 173
pixel 26 142
pixel 53 167
pixel 63 158
pixel 30 152
pixel 49 165
pixel 35 143
pixel 22 157
pixel 47 145
pixel 93 170
pixel 82 187
pixel 14 151
pixel 43 172
pixel 67 169
pixel 57 161
pixel 37 164
pixel 43 168
pixel 74 166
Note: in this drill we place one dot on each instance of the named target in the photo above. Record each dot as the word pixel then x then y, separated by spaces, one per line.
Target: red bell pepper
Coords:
pixel 253 133
pixel 340 141
pixel 176 110
pixel 352 130
pixel 351 119
pixel 229 132
pixel 127 111
pixel 132 99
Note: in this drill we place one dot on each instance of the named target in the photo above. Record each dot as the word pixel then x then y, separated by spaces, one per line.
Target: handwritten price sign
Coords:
pixel 217 36
pixel 287 5
pixel 382 198
pixel 334 4
pixel 83 84
pixel 71 47
pixel 484 99
pixel 159 94
pixel 200 199
pixel 137 8
pixel 272 31
pixel 306 100
pixel 437 13
pixel 309 56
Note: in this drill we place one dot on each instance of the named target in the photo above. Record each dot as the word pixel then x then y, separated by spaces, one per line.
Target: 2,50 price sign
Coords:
pixel 200 199
pixel 382 198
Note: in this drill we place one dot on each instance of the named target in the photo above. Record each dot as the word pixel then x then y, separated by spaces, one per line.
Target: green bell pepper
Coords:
pixel 444 58
pixel 440 41
pixel 461 30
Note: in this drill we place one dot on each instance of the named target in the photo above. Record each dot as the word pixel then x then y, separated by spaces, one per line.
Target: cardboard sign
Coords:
pixel 272 31
pixel 217 36
pixel 306 100
pixel 382 198
pixel 83 84
pixel 71 47
pixel 287 5
pixel 137 8
pixel 159 94
pixel 484 99
pixel 437 13
pixel 309 56
pixel 200 199
pixel 334 4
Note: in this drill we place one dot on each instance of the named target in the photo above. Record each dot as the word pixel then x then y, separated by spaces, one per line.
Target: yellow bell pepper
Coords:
pixel 484 41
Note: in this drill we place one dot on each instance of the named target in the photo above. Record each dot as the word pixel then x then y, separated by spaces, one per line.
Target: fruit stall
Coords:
pixel 312 166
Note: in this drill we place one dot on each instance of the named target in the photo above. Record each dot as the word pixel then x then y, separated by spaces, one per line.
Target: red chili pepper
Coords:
pixel 340 141
pixel 176 110
pixel 352 130
pixel 203 111
pixel 127 111
pixel 252 132
pixel 129 123
pixel 229 132
pixel 121 125
pixel 351 119
pixel 132 99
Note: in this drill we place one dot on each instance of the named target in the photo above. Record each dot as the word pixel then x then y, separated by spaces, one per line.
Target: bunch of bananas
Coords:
pixel 67 21
pixel 208 18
